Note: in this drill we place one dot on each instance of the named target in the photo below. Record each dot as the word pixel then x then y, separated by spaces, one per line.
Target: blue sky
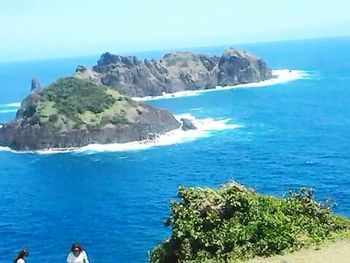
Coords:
pixel 33 29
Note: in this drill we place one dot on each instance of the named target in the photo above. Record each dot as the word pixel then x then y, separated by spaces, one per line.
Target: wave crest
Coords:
pixel 8 111
pixel 10 107
pixel 205 127
pixel 280 76
pixel 13 105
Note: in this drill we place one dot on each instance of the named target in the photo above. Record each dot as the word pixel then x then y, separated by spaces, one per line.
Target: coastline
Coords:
pixel 280 76
pixel 205 126
pixel 204 129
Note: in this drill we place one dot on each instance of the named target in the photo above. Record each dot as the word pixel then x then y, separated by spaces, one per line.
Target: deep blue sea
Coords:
pixel 293 134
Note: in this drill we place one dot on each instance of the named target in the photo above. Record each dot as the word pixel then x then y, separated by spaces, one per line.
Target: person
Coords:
pixel 77 254
pixel 22 255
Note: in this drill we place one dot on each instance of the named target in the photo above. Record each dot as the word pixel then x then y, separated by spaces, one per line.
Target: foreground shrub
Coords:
pixel 235 223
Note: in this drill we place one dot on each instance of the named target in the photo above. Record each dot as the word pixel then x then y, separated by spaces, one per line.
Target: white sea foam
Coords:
pixel 205 127
pixel 280 76
pixel 3 149
pixel 8 111
pixel 9 108
pixel 11 105
pixel 196 109
pixel 14 104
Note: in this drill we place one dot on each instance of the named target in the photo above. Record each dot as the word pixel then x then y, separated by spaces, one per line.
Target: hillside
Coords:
pixel 73 113
pixel 234 224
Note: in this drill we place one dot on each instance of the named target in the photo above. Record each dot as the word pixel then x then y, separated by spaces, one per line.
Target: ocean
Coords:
pixel 114 200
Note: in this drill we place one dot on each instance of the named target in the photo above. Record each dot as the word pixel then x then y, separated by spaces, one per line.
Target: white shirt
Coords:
pixel 82 258
pixel 21 260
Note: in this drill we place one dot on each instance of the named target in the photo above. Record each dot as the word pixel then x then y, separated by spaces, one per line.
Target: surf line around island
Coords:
pixel 280 76
pixel 205 128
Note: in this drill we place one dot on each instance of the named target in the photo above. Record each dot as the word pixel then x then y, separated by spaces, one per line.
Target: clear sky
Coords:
pixel 33 29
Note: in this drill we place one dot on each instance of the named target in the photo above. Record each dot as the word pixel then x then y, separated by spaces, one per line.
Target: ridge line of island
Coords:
pixel 95 105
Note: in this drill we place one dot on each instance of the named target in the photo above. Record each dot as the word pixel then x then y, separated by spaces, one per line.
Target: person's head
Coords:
pixel 76 249
pixel 22 254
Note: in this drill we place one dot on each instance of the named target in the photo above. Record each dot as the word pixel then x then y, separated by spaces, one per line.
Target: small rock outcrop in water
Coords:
pixel 35 84
pixel 187 124
pixel 176 71
pixel 74 113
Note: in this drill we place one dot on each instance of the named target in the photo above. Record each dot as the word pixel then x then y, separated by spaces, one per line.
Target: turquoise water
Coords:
pixel 291 135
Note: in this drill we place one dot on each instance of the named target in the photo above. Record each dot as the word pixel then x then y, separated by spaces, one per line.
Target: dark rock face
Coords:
pixel 176 72
pixel 239 67
pixel 26 135
pixel 35 84
pixel 81 69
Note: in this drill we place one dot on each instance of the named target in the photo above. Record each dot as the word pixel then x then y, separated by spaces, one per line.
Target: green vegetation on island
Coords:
pixel 72 112
pixel 72 101
pixel 234 224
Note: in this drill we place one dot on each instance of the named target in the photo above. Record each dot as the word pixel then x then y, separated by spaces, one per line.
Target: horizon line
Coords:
pixel 127 53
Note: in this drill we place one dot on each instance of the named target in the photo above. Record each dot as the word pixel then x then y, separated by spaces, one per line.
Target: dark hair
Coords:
pixel 22 254
pixel 77 246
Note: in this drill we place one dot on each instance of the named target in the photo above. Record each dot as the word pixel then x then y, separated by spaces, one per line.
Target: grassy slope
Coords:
pixel 70 103
pixel 331 252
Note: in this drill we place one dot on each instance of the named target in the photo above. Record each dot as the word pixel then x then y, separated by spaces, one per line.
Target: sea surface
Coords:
pixel 115 202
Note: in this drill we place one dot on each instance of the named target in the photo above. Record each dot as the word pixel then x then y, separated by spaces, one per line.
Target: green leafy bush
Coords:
pixel 234 223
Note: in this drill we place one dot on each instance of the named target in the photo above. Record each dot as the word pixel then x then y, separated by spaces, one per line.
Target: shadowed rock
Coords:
pixel 187 124
pixel 35 84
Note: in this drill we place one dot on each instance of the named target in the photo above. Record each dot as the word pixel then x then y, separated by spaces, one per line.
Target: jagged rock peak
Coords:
pixel 238 53
pixel 108 59
pixel 35 84
pixel 177 71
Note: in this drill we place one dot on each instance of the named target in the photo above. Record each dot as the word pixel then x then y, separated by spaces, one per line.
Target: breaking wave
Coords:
pixel 205 128
pixel 280 76
pixel 8 111
pixel 10 107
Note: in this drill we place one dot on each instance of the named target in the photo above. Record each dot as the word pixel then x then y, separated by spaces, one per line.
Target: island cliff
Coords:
pixel 176 71
pixel 74 113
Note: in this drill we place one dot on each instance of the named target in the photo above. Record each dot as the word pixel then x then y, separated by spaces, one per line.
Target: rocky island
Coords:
pixel 94 105
pixel 73 113
pixel 176 71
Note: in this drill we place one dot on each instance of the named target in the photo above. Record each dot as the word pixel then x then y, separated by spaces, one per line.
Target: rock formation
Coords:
pixel 187 124
pixel 175 72
pixel 35 84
